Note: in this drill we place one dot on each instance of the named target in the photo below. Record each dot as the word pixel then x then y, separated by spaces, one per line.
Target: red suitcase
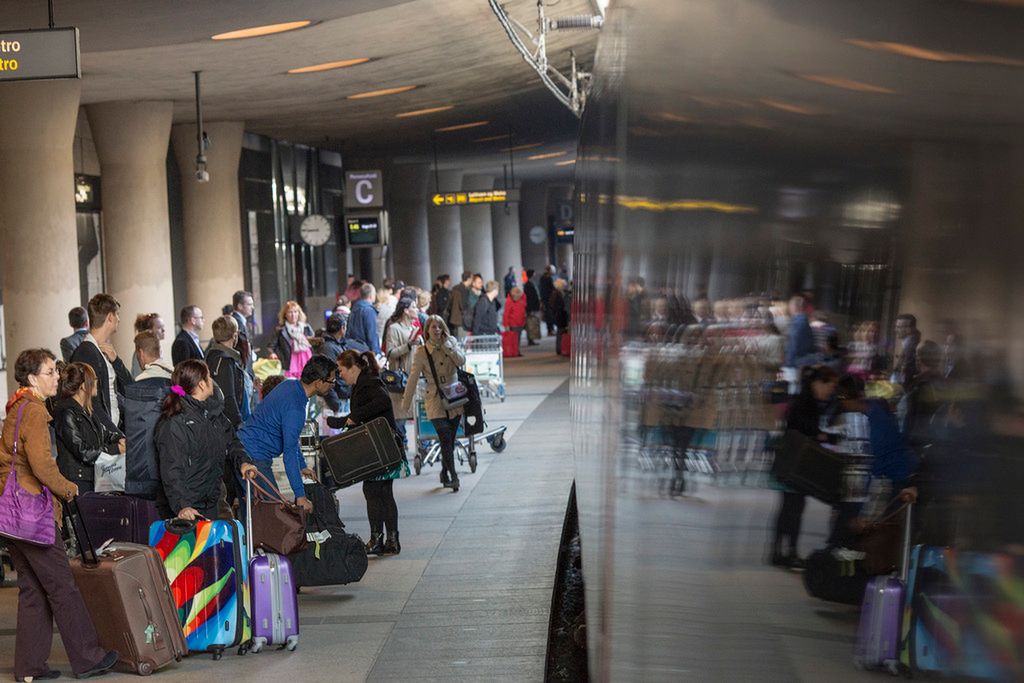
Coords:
pixel 510 344
pixel 565 344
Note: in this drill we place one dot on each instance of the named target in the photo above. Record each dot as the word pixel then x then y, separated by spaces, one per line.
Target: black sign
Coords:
pixel 565 235
pixel 363 231
pixel 39 54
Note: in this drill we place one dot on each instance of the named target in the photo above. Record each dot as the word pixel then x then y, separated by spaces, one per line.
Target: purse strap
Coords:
pixel 433 371
pixel 274 494
pixel 17 430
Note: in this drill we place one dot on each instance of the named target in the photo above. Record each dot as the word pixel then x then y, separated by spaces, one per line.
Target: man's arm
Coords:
pixel 294 463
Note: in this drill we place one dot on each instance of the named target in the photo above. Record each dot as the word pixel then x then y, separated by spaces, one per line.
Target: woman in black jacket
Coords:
pixel 193 440
pixel 81 438
pixel 818 385
pixel 369 401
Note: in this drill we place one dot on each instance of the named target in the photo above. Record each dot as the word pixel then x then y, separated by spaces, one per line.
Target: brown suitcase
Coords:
pixel 129 598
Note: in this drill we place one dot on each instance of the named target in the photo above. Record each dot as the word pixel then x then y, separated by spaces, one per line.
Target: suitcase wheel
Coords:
pixel 257 645
pixel 417 464
pixel 292 643
pixel 145 668
pixel 218 653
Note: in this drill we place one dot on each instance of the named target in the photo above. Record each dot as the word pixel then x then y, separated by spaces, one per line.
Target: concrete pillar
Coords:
pixel 477 240
pixel 559 254
pixel 410 239
pixel 37 213
pixel 131 142
pixel 213 237
pixel 444 225
pixel 533 213
pixel 505 232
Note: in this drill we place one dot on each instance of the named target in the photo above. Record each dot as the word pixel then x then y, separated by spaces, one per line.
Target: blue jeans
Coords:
pixel 447 430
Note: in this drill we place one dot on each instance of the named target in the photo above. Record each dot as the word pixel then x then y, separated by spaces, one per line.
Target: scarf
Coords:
pixel 18 395
pixel 297 333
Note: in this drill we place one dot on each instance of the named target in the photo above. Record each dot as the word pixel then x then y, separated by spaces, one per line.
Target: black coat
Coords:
pixel 184 348
pixel 227 371
pixel 81 438
pixel 532 297
pixel 71 342
pixel 332 348
pixel 192 448
pixel 91 355
pixel 485 316
pixel 243 345
pixel 370 400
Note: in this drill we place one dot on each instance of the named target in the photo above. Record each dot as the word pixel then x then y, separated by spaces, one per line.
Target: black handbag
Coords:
pixel 394 381
pixel 804 465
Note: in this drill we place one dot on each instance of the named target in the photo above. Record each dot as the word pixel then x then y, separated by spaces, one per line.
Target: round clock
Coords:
pixel 315 230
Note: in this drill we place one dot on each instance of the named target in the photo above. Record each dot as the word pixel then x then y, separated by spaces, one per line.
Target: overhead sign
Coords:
pixel 364 190
pixel 39 54
pixel 363 231
pixel 466 198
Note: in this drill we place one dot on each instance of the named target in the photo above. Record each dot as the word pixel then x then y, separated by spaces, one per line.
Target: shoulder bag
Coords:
pixel 453 395
pixel 25 516
pixel 277 525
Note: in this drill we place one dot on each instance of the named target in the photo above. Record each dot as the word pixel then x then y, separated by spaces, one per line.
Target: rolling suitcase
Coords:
pixel 116 516
pixel 565 344
pixel 126 592
pixel 272 587
pixel 208 569
pixel 361 452
pixel 879 634
pixel 510 344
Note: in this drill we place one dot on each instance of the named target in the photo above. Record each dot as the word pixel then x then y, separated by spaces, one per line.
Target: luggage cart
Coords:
pixel 484 360
pixel 428 447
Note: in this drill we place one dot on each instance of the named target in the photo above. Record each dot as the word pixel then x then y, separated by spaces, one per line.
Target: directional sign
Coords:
pixel 39 54
pixel 475 197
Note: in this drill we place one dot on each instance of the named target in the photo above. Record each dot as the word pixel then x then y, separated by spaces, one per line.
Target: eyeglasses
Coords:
pixel 49 373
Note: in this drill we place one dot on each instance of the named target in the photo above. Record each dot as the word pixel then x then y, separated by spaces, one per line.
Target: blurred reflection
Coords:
pixel 840 285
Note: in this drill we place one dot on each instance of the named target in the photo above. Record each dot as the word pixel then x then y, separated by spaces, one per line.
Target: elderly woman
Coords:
pixel 46 589
pixel 437 360
pixel 293 333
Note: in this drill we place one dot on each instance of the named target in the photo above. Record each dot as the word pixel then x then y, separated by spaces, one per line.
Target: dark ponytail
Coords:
pixel 365 361
pixel 186 377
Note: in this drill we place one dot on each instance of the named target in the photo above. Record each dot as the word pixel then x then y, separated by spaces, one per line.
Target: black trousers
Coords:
pixel 789 521
pixel 381 508
pixel 47 592
pixel 447 431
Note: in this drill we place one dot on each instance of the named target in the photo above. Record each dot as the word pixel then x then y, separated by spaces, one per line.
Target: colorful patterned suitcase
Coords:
pixel 207 565
pixel 275 604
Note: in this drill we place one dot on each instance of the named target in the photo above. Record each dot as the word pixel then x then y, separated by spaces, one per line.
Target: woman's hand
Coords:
pixel 248 470
pixel 121 447
pixel 909 494
pixel 189 514
pixel 72 491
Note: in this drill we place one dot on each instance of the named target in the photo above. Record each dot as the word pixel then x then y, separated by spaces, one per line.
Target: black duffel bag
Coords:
pixel 830 578
pixel 332 556
pixel 807 467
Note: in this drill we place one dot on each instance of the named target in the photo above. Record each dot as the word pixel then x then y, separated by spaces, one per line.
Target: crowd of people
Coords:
pixel 193 429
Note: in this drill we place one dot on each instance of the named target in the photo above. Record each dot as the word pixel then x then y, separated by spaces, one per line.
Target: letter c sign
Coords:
pixel 364 192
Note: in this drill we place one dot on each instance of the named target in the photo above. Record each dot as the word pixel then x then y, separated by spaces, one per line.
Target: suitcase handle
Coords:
pixel 905 551
pixel 80 533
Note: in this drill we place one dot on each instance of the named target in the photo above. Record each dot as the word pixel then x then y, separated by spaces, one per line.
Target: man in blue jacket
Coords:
pixel 362 321
pixel 273 429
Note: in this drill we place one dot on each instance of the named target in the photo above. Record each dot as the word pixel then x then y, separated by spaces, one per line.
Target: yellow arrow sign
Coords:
pixel 475 197
pixel 437 199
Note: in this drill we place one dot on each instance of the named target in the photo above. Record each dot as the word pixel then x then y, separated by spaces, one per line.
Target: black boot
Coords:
pixel 445 481
pixel 455 485
pixel 375 545
pixel 392 546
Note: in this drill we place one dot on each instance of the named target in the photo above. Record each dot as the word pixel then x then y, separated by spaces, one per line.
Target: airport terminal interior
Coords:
pixel 680 338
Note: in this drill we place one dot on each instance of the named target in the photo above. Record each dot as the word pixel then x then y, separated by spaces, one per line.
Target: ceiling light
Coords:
pixel 549 155
pixel 382 93
pixel 462 126
pixel 492 138
pixel 257 31
pixel 790 107
pixel 520 148
pixel 845 83
pixel 915 52
pixel 567 162
pixel 423 112
pixel 328 66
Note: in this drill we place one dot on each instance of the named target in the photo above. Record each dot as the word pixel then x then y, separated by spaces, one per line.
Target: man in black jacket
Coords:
pixel 547 286
pixel 186 344
pixel 532 309
pixel 112 377
pixel 458 306
pixel 485 315
pixel 441 297
pixel 334 345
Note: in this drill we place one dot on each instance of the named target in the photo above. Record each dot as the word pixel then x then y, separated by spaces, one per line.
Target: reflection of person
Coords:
pixel 905 360
pixel 447 357
pixel 46 589
pixel 193 440
pixel 804 415
pixel 81 438
pixel 369 401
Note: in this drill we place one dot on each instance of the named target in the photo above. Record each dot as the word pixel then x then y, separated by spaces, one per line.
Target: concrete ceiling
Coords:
pixel 455 51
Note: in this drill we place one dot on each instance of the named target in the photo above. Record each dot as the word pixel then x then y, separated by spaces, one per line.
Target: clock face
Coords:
pixel 315 230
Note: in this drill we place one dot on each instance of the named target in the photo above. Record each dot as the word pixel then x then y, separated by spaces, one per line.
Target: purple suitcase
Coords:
pixel 272 589
pixel 880 629
pixel 117 516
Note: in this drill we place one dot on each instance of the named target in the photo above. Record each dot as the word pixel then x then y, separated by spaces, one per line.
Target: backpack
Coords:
pixel 142 401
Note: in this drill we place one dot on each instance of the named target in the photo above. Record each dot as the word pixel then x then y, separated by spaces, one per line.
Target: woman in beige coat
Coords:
pixel 447 357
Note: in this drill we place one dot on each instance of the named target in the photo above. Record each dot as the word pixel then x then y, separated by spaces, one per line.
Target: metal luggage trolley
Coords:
pixel 484 360
pixel 428 447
